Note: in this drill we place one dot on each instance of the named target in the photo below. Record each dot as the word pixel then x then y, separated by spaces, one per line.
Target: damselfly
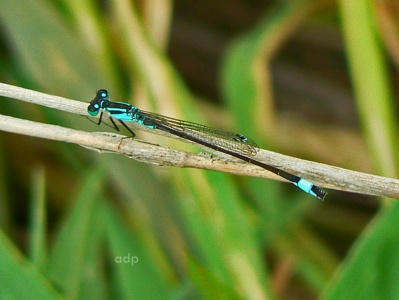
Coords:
pixel 233 144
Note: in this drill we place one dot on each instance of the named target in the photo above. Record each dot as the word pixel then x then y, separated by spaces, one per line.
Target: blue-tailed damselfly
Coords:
pixel 233 144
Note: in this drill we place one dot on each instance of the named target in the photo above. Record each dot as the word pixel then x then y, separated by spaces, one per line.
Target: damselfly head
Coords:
pixel 95 104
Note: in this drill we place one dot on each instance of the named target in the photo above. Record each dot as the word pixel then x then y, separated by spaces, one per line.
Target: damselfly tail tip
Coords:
pixel 318 192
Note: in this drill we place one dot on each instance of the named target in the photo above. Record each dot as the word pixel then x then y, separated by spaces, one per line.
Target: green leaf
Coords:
pixel 209 286
pixel 372 271
pixel 5 218
pixel 47 48
pixel 94 283
pixel 224 238
pixel 245 80
pixel 67 264
pixel 19 279
pixel 38 247
pixel 371 81
pixel 136 273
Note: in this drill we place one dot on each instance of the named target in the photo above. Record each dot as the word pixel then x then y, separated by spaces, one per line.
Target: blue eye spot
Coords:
pixel 96 106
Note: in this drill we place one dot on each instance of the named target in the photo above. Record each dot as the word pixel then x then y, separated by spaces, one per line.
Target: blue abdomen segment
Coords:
pixel 305 185
pixel 310 188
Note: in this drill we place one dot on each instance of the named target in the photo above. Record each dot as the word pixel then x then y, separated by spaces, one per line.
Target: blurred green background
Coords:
pixel 311 79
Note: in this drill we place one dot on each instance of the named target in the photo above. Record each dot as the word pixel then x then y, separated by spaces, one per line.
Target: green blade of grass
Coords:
pixel 134 267
pixel 67 263
pixel 208 286
pixel 223 236
pixel 372 271
pixel 245 78
pixel 94 283
pixel 19 279
pixel 37 244
pixel 56 58
pixel 371 84
pixel 5 218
